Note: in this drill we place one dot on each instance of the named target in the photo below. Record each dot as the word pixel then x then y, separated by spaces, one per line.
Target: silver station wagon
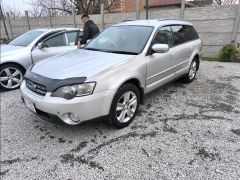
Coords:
pixel 110 75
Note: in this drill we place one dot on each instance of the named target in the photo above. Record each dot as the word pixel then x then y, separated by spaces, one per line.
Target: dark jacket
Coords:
pixel 89 31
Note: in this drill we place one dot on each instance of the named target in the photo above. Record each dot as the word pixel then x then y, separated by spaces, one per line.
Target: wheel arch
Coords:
pixel 137 83
pixel 14 63
pixel 195 55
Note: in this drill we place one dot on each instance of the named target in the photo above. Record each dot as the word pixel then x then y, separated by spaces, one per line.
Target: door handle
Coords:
pixel 173 54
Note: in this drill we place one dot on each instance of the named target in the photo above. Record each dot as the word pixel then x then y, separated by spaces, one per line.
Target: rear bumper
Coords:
pixel 85 108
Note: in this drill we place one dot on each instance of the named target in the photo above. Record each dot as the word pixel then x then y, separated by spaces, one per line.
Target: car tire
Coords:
pixel 124 106
pixel 192 72
pixel 11 76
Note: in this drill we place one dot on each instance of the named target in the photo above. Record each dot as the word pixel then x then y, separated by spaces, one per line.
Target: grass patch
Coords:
pixel 207 58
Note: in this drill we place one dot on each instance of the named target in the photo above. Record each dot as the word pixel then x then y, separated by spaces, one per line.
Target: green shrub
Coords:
pixel 229 53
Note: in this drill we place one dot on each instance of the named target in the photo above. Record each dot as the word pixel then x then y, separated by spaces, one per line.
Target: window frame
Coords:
pixel 77 36
pixel 184 41
pixel 149 52
pixel 54 35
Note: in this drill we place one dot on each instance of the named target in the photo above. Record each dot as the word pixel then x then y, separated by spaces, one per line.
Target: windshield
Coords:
pixel 121 39
pixel 26 38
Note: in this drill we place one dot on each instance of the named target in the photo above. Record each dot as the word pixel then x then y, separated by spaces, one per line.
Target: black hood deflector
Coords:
pixel 53 84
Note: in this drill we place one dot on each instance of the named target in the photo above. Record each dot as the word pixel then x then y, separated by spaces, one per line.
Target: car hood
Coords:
pixel 7 47
pixel 8 50
pixel 78 63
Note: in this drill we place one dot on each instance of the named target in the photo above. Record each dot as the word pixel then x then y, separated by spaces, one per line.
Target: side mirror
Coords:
pixel 40 45
pixel 160 48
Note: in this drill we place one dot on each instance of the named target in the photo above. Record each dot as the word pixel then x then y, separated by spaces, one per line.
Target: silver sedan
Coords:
pixel 31 47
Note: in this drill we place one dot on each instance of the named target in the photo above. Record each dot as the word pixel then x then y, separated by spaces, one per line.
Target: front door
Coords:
pixel 52 46
pixel 160 65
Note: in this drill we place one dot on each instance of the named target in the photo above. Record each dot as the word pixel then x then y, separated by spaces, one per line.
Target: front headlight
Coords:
pixel 78 90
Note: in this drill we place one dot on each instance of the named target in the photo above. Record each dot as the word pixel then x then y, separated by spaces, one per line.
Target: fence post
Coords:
pixel 50 17
pixel 74 16
pixel 146 7
pixel 236 24
pixel 9 22
pixel 183 3
pixel 4 24
pixel 26 14
pixel 102 16
pixel 137 9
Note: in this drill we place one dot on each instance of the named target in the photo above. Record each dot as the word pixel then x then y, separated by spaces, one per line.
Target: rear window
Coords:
pixel 183 33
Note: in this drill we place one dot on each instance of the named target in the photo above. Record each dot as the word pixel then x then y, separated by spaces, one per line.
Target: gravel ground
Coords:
pixel 183 131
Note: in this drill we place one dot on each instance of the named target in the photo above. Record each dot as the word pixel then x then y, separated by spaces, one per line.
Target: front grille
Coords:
pixel 35 87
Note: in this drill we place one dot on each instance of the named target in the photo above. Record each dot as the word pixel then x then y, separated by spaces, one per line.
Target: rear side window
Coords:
pixel 183 33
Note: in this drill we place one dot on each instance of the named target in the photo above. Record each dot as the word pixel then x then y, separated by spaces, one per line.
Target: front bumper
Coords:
pixel 85 108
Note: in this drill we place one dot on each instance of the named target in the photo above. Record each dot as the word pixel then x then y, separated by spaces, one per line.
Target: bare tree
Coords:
pixel 65 7
pixel 92 6
pixel 13 13
pixel 225 2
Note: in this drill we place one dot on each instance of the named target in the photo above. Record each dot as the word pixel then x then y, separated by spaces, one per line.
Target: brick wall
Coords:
pixel 124 6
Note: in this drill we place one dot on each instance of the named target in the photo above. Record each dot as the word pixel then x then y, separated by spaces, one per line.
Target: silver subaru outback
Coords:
pixel 111 74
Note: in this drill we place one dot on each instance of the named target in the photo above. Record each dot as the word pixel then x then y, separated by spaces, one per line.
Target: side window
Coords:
pixel 164 36
pixel 178 35
pixel 183 33
pixel 72 37
pixel 56 41
pixel 190 33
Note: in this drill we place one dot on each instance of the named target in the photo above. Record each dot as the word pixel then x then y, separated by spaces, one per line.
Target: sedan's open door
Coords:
pixel 53 45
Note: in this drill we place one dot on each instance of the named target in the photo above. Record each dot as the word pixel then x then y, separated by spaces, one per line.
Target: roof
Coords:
pixel 57 29
pixel 155 23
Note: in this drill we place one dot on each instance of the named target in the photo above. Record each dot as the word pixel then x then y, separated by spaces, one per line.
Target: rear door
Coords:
pixel 159 65
pixel 182 47
pixel 53 45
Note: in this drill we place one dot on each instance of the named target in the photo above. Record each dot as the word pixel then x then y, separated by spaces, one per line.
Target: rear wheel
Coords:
pixel 192 72
pixel 124 106
pixel 11 76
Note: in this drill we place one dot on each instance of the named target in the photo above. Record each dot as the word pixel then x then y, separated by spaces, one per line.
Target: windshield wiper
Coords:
pixel 112 51
pixel 124 52
pixel 93 49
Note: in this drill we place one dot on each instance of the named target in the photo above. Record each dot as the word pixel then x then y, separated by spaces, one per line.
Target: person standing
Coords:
pixel 89 31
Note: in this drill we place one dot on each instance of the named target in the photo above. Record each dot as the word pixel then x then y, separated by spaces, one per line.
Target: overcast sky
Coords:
pixel 17 5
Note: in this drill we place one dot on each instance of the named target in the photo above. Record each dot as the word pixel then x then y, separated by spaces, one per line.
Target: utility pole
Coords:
pixel 183 4
pixel 137 9
pixel 146 6
pixel 4 24
pixel 236 24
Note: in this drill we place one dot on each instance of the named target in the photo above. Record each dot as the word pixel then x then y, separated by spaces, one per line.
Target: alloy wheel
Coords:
pixel 10 77
pixel 193 70
pixel 126 106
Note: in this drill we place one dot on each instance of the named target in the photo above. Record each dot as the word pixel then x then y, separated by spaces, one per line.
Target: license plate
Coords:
pixel 30 105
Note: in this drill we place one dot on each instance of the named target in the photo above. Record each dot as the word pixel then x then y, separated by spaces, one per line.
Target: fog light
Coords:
pixel 71 118
pixel 74 117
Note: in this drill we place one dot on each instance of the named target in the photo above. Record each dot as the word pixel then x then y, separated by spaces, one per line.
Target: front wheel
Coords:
pixel 192 72
pixel 124 106
pixel 11 76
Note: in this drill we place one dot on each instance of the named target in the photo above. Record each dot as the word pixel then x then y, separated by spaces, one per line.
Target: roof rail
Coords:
pixel 127 20
pixel 164 19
